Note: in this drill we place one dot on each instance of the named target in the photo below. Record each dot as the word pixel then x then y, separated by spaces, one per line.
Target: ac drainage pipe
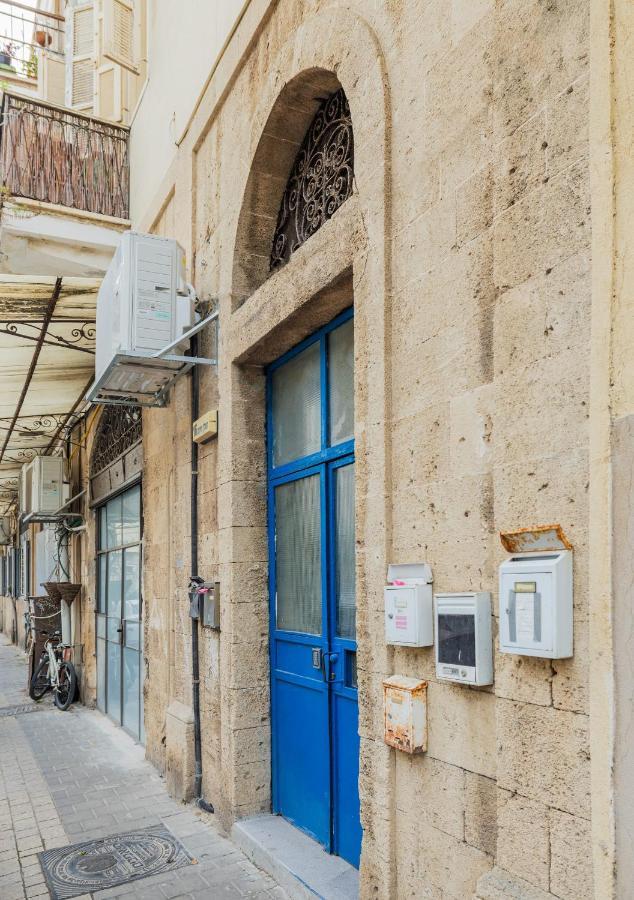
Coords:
pixel 195 596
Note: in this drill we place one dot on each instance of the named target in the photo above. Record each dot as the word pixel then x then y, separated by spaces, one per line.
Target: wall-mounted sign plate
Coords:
pixel 206 427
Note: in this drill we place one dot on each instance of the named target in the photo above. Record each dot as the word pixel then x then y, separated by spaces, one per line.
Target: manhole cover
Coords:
pixel 18 710
pixel 119 859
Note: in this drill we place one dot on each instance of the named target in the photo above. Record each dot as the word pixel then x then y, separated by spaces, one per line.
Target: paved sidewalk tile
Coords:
pixel 93 783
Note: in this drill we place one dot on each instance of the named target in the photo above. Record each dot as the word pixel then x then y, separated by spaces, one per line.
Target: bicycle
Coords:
pixel 54 673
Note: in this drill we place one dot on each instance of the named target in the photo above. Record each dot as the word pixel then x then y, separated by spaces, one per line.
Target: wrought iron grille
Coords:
pixel 119 429
pixel 321 178
pixel 58 156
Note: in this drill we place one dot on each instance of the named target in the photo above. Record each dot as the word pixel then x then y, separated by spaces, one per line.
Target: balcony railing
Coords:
pixel 58 156
pixel 24 33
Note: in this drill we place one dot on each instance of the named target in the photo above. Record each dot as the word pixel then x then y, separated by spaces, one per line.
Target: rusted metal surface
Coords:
pixel 534 539
pixel 59 156
pixel 36 353
pixel 405 709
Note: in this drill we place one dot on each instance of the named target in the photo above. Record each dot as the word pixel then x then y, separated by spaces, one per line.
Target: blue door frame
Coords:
pixel 314 704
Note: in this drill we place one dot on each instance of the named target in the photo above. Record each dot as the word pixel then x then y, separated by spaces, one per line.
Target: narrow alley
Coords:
pixel 87 781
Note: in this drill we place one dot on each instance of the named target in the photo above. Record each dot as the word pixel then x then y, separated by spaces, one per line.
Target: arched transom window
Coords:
pixel 320 180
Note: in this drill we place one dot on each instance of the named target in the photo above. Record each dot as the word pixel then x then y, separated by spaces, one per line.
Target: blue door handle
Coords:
pixel 329 660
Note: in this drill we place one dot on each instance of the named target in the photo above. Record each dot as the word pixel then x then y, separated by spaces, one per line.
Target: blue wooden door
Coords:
pixel 315 739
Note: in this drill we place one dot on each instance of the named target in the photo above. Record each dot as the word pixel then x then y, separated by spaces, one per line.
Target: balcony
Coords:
pixel 59 156
pixel 32 47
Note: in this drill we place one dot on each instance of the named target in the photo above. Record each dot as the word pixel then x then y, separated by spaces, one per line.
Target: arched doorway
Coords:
pixel 310 465
pixel 116 464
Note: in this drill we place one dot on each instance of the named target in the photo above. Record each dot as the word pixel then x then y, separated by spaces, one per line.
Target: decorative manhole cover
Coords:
pixel 18 710
pixel 119 859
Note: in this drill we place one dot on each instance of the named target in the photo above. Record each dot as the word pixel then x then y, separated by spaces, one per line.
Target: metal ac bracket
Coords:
pixel 161 368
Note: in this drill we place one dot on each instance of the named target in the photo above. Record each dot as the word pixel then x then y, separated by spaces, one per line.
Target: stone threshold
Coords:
pixel 299 864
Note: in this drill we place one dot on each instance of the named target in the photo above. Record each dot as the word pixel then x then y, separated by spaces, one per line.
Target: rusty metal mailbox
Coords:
pixel 405 706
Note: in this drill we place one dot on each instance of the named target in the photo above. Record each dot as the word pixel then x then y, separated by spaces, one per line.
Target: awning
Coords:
pixel 47 344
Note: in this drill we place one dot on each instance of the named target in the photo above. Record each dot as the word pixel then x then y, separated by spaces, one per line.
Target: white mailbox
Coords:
pixel 536 604
pixel 464 649
pixel 409 619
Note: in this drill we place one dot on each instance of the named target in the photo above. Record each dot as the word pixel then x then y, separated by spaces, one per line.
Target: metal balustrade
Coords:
pixel 24 33
pixel 63 157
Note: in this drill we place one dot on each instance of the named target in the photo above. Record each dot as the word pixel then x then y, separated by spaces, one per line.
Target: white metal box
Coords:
pixel 409 617
pixel 464 648
pixel 536 604
pixel 5 531
pixel 405 707
pixel 143 303
pixel 47 484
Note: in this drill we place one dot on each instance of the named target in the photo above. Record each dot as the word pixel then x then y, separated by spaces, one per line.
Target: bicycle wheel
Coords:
pixel 39 683
pixel 65 691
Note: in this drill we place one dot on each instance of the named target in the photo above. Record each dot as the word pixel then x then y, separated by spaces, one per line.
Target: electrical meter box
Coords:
pixel 409 617
pixel 405 707
pixel 464 648
pixel 210 599
pixel 536 604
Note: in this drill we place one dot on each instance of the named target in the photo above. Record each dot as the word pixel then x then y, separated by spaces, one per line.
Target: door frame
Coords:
pixel 324 462
pixel 97 507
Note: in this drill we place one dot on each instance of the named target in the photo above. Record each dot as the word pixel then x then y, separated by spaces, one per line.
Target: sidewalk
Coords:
pixel 91 783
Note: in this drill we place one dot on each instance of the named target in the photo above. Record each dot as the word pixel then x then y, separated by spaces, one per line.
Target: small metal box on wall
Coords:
pixel 405 707
pixel 210 605
pixel 409 617
pixel 536 593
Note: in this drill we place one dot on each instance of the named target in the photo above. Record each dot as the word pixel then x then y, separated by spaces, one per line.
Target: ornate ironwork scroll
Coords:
pixel 119 429
pixel 82 337
pixel 63 157
pixel 321 178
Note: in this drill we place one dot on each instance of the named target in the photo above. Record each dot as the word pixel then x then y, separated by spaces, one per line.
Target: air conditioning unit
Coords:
pixel 5 531
pixel 25 489
pixel 47 484
pixel 144 307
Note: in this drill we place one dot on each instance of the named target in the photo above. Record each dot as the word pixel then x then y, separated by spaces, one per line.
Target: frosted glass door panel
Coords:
pixel 131 582
pixel 114 583
pixel 298 555
pixel 297 407
pixel 344 551
pixel 131 516
pixel 341 380
pixel 113 688
pixel 131 685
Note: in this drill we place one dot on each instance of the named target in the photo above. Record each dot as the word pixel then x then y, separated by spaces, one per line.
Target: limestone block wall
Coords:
pixel 466 252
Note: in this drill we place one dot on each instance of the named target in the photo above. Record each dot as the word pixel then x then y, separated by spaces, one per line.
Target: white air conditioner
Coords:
pixel 25 489
pixel 5 531
pixel 47 485
pixel 144 306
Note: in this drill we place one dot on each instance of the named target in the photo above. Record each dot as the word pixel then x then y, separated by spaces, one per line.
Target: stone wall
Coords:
pixel 466 252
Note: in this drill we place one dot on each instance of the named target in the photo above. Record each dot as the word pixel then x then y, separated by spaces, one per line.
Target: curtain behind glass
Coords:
pixel 341 378
pixel 297 407
pixel 344 551
pixel 298 555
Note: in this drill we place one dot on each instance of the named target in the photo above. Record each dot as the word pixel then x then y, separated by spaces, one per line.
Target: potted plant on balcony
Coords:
pixel 7 51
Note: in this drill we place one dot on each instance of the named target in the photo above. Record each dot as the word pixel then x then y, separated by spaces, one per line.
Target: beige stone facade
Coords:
pixel 485 252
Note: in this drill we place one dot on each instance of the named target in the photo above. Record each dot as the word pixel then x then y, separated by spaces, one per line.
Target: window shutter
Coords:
pixel 118 33
pixel 82 64
pixel 52 75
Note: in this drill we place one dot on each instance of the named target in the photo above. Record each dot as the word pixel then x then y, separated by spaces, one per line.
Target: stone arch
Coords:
pixel 333 49
pixel 281 138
